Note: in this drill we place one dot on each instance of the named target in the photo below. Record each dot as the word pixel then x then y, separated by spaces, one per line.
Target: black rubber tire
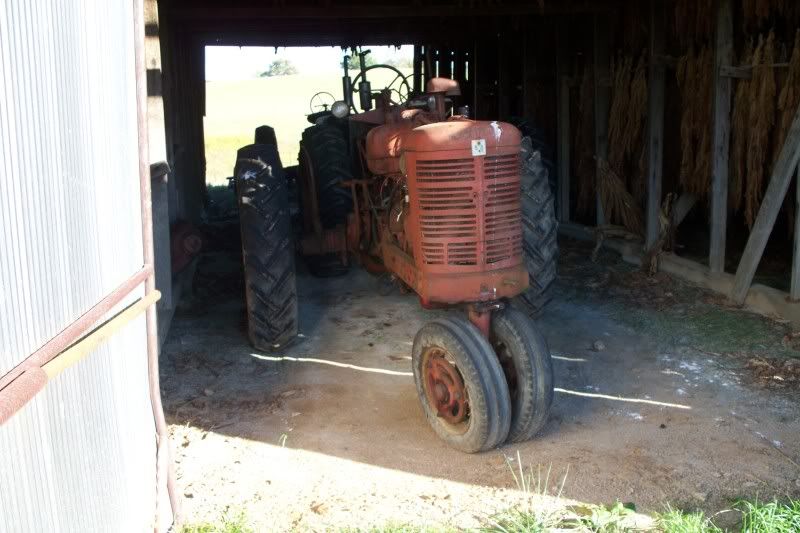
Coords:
pixel 528 367
pixel 537 142
pixel 267 249
pixel 487 391
pixel 327 145
pixel 265 135
pixel 539 235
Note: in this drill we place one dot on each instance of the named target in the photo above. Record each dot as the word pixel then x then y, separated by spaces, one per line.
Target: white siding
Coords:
pixel 81 455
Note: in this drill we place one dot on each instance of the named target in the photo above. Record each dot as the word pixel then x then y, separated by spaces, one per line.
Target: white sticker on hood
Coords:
pixel 478 147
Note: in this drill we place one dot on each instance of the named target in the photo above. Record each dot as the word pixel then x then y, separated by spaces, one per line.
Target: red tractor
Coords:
pixel 460 211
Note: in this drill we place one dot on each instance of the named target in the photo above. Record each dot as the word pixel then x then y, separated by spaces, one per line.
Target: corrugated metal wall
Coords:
pixel 81 456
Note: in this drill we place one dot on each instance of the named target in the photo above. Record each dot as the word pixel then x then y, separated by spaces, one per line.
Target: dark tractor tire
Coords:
pixel 537 142
pixel 461 385
pixel 525 359
pixel 539 235
pixel 327 147
pixel 265 135
pixel 267 251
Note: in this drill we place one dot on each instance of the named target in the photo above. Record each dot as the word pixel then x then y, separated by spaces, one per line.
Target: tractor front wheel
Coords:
pixel 528 368
pixel 461 385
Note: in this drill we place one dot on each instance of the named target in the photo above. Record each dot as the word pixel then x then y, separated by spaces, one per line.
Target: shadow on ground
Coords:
pixel 655 402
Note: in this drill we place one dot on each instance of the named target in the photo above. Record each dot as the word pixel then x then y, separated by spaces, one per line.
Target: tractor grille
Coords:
pixel 502 208
pixel 448 211
pixel 452 221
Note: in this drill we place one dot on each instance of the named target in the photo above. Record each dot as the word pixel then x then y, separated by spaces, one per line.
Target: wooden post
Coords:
pixel 563 149
pixel 770 206
pixel 794 291
pixel 602 98
pixel 723 56
pixel 655 122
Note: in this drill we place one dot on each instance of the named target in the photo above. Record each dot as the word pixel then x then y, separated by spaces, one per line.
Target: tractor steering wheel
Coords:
pixel 320 103
pixel 398 87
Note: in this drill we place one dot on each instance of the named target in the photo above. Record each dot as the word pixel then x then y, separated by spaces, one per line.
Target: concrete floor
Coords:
pixel 329 432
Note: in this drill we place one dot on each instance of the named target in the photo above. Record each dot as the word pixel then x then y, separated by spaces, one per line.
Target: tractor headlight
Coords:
pixel 340 109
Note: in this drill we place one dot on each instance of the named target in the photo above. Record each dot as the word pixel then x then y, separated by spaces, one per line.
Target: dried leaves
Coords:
pixel 738 162
pixel 695 79
pixel 694 21
pixel 626 121
pixel 788 101
pixel 618 204
pixel 762 93
pixel 756 13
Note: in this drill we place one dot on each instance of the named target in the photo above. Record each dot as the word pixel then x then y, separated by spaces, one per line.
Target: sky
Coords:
pixel 237 63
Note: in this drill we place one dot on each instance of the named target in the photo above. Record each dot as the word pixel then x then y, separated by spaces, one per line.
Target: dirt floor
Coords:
pixel 663 397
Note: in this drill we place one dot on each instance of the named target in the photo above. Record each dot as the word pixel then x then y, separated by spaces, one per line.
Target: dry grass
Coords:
pixel 760 123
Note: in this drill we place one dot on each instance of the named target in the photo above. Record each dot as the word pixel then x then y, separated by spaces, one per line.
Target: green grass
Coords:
pixel 676 521
pixel 772 517
pixel 398 528
pixel 234 109
pixel 229 522
pixel 532 518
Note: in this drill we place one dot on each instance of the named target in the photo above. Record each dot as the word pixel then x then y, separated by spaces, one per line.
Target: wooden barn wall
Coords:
pixel 688 58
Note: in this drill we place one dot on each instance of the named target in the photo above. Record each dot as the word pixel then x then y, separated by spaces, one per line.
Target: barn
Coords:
pixel 668 136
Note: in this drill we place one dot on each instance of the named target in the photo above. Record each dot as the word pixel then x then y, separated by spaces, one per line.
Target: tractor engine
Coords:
pixel 455 234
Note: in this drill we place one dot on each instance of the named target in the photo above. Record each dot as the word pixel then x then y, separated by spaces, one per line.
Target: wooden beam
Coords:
pixel 602 98
pixel 794 291
pixel 770 206
pixel 744 72
pixel 723 87
pixel 235 11
pixel 655 123
pixel 563 119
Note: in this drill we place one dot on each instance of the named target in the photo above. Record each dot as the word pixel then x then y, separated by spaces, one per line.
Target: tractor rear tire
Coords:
pixel 525 358
pixel 537 142
pixel 267 249
pixel 266 135
pixel 327 146
pixel 461 385
pixel 539 234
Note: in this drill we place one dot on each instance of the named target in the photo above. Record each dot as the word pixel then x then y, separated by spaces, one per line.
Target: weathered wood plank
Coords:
pixel 563 149
pixel 602 97
pixel 744 72
pixel 723 86
pixel 794 291
pixel 655 123
pixel 770 206
pixel 683 205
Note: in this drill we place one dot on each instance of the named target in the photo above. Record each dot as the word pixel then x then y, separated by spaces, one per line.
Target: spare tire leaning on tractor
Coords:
pixel 267 247
pixel 507 377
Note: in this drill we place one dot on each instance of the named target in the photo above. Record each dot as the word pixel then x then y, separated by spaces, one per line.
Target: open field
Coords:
pixel 235 108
